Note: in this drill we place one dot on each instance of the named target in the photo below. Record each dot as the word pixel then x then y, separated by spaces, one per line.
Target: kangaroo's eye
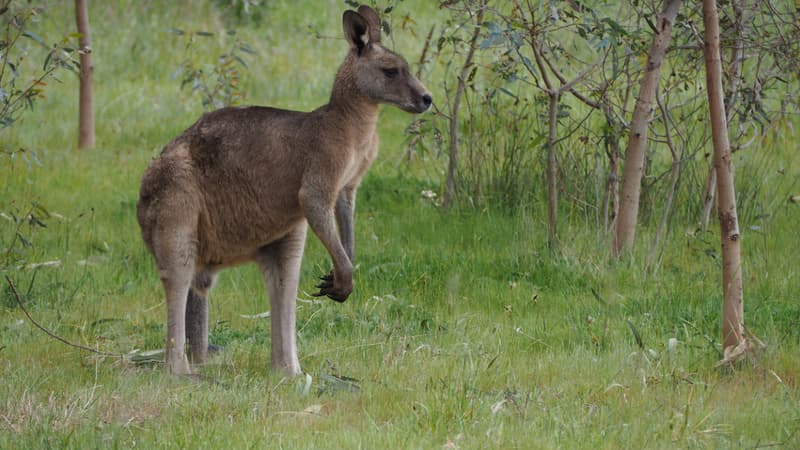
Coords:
pixel 391 72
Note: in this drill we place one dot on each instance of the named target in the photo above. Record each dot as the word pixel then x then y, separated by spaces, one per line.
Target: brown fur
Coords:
pixel 241 185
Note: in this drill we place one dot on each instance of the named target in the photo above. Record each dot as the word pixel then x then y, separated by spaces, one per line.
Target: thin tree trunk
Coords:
pixel 611 138
pixel 452 166
pixel 86 108
pixel 731 92
pixel 637 142
pixel 613 191
pixel 554 94
pixel 708 196
pixel 734 340
pixel 552 173
pixel 674 177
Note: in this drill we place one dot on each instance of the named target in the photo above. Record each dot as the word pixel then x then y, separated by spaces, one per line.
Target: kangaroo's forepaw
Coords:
pixel 328 288
pixel 332 294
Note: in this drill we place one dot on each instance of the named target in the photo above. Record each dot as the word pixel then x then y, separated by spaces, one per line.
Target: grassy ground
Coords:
pixel 463 332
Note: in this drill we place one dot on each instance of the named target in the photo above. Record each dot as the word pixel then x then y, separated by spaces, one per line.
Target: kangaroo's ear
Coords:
pixel 373 20
pixel 356 30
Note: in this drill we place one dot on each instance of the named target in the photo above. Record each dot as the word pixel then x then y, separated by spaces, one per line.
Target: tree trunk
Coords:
pixel 637 140
pixel 708 196
pixel 611 140
pixel 450 183
pixel 674 177
pixel 552 173
pixel 86 108
pixel 734 340
pixel 613 192
pixel 731 93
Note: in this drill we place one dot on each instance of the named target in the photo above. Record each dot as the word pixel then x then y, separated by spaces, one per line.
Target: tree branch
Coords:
pixel 50 333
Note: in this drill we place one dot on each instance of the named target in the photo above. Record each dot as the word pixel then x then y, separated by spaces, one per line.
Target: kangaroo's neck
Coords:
pixel 349 105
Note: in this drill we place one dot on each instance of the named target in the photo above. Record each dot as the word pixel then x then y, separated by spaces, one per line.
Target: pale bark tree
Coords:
pixel 637 140
pixel 735 344
pixel 734 73
pixel 86 102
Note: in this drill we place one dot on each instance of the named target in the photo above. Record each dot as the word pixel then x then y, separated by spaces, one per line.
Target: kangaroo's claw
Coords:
pixel 327 289
pixel 327 277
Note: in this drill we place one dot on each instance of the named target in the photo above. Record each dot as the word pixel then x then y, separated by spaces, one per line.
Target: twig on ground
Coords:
pixel 50 333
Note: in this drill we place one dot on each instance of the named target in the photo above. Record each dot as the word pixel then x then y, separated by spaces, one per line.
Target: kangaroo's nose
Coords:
pixel 427 100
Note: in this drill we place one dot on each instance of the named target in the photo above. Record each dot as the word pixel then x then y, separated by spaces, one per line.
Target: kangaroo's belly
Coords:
pixel 232 233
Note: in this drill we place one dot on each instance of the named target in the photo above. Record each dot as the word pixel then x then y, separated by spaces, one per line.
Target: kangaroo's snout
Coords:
pixel 417 100
pixel 422 103
pixel 427 100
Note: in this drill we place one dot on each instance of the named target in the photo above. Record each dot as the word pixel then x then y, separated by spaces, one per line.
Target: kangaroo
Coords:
pixel 243 184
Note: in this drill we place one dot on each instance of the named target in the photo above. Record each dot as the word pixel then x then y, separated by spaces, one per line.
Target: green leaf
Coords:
pixel 240 61
pixel 204 33
pixel 246 48
pixel 34 36
pixel 36 205
pixel 47 61
pixel 25 242
pixel 35 221
pixel 636 334
pixel 508 93
pixel 528 65
pixel 493 40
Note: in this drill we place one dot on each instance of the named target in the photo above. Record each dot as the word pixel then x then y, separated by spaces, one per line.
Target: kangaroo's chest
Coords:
pixel 361 158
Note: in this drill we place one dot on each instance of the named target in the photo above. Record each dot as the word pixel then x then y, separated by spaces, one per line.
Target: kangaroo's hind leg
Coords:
pixel 280 266
pixel 175 253
pixel 197 315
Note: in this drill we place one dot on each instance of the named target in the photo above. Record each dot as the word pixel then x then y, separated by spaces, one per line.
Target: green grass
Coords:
pixel 463 331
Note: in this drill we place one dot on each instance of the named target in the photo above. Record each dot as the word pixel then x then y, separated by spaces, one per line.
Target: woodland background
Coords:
pixel 490 307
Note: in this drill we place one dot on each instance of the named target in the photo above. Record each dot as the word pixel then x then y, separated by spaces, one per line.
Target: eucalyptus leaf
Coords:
pixel 338 383
pixel 146 356
pixel 31 35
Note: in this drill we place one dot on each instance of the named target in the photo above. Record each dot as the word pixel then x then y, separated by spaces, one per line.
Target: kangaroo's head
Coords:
pixel 375 71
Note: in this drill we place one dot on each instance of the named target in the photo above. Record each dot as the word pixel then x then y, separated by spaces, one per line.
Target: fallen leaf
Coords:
pixel 315 410
pixel 338 383
pixel 304 385
pixel 262 315
pixel 146 357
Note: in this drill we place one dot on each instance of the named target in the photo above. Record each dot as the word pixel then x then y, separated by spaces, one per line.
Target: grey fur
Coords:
pixel 242 184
